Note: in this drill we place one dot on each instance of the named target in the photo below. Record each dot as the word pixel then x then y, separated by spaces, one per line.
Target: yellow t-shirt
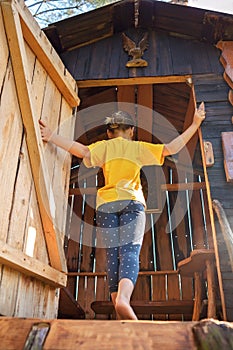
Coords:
pixel 121 161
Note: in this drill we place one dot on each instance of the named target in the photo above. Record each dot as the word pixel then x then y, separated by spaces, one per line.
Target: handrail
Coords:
pixel 225 228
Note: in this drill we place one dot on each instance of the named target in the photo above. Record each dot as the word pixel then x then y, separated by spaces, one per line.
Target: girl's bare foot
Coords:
pixel 124 310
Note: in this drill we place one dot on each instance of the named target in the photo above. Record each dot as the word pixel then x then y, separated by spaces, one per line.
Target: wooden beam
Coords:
pixel 33 137
pixel 141 273
pixel 212 222
pixel 135 81
pixel 184 186
pixel 191 145
pixel 29 266
pixel 42 48
pixel 190 186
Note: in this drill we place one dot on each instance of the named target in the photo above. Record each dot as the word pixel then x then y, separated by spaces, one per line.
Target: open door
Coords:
pixel 178 216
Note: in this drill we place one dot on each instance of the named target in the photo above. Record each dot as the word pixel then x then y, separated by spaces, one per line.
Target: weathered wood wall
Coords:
pixel 166 55
pixel 24 251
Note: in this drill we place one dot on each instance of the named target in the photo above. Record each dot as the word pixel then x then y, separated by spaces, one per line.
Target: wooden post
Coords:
pixel 215 243
pixel 197 293
pixel 211 289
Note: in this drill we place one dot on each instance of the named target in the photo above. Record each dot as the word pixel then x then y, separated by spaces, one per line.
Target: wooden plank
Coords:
pixel 20 236
pixel 185 186
pixel 42 48
pixel 196 262
pixel 159 293
pixel 134 81
pixel 45 301
pixel 66 334
pixel 163 244
pixel 4 52
pixel 148 307
pixel 187 292
pixel 173 293
pixel 145 112
pixel 198 234
pixel 141 273
pixel 191 145
pixel 57 159
pixel 30 266
pixel 11 137
pixel 227 144
pixel 19 60
pixel 126 98
pixel 8 291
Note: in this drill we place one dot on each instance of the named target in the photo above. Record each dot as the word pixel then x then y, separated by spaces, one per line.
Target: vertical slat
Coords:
pixel 197 294
pixel 208 221
pixel 10 143
pixel 87 262
pixel 187 292
pixel 102 293
pixel 173 292
pixel 163 244
pixel 126 98
pixel 197 221
pixel 101 282
pixel 90 297
pixel 179 208
pixel 4 52
pixel 72 264
pixel 142 291
pixel 159 293
pixel 145 112
pixel 211 289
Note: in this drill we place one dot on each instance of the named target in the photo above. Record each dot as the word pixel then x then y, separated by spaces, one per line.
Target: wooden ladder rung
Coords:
pixel 148 307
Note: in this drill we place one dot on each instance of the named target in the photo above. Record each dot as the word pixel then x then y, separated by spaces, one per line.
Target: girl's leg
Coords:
pixel 122 305
pixel 108 233
pixel 132 231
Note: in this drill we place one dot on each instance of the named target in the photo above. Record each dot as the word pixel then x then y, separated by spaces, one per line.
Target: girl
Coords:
pixel 120 203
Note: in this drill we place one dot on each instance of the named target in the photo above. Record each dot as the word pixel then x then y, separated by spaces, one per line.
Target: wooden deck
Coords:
pixel 85 334
pixel 88 334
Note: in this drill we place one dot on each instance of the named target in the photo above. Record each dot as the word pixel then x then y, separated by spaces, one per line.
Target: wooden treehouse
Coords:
pixel 72 74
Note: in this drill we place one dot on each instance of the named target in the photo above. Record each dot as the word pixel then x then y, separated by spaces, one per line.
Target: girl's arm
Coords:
pixel 179 142
pixel 77 149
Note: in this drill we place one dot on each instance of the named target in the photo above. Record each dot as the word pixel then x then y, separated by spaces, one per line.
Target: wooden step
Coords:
pixel 148 307
pixel 68 306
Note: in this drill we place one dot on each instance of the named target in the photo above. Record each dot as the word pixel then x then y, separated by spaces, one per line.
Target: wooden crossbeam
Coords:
pixel 185 186
pixel 141 273
pixel 33 137
pixel 148 307
pixel 134 81
pixel 29 266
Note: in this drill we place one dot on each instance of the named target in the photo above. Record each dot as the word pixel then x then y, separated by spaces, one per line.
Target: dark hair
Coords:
pixel 119 120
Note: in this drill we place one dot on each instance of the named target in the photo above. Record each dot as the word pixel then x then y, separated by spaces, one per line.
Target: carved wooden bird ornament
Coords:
pixel 135 51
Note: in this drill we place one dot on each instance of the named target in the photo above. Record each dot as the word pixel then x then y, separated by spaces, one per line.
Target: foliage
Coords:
pixel 49 11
